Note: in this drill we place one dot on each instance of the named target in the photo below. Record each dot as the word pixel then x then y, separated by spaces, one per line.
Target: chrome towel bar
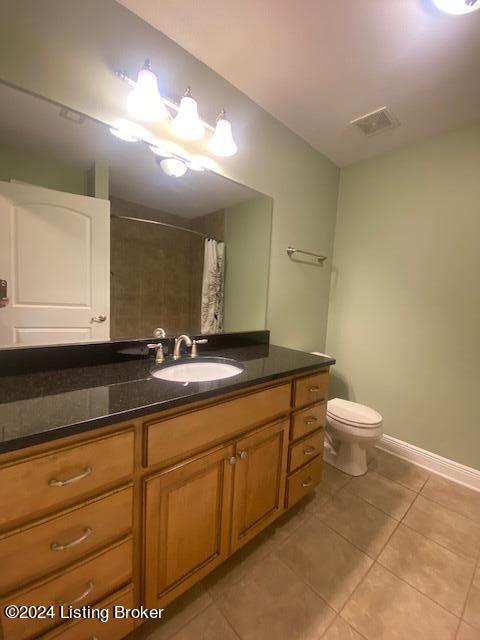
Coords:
pixel 292 250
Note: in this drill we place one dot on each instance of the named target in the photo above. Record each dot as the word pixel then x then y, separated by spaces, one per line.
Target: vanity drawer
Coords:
pixel 51 480
pixel 303 481
pixel 306 450
pixel 83 584
pixel 306 421
pixel 27 554
pixel 175 438
pixel 311 389
pixel 114 629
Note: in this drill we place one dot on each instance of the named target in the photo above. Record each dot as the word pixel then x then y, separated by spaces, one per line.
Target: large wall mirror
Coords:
pixel 99 241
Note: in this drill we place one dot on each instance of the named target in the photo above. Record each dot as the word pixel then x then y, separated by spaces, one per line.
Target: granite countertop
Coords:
pixel 43 406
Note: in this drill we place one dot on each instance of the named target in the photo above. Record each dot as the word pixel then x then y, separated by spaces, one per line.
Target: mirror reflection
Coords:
pixel 104 239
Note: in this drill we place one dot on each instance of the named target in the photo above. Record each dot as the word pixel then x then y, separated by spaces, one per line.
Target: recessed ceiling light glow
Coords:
pixel 129 131
pixel 145 102
pixel 173 167
pixel 457 7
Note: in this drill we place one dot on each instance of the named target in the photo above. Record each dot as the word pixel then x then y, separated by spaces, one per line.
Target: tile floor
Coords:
pixel 393 555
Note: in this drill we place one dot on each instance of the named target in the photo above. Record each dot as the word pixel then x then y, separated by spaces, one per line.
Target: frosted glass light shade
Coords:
pixel 144 101
pixel 128 131
pixel 187 124
pixel 173 167
pixel 222 142
pixel 457 7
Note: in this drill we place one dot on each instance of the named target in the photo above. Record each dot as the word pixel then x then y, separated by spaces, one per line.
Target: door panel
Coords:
pixel 55 256
pixel 186 524
pixel 259 483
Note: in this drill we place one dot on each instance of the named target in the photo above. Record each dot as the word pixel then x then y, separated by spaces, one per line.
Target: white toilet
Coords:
pixel 351 430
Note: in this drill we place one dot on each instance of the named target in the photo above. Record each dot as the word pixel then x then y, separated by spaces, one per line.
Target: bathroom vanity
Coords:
pixel 135 504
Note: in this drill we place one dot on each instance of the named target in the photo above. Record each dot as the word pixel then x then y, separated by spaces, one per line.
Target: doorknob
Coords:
pixel 99 318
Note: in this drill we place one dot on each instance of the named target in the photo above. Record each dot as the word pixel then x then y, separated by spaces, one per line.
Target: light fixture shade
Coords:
pixel 187 124
pixel 144 101
pixel 457 7
pixel 173 167
pixel 222 142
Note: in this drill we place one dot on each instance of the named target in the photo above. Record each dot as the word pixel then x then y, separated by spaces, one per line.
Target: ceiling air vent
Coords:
pixel 375 122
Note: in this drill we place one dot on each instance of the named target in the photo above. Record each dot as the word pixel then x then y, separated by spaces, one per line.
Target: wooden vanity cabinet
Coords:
pixel 187 522
pixel 140 511
pixel 259 481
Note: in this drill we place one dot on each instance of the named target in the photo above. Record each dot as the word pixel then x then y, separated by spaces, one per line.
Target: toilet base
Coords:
pixel 350 457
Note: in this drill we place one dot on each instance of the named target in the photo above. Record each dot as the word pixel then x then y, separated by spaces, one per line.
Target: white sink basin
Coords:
pixel 198 370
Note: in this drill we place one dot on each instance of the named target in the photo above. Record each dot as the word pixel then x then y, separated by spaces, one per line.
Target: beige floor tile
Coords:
pixel 175 616
pixel 453 496
pixel 341 630
pixel 399 470
pixel 272 603
pixel 384 494
pixel 448 528
pixel 472 608
pixel 208 625
pixel 466 632
pixel 238 565
pixel 332 481
pixel 386 608
pixel 278 532
pixel 440 574
pixel 325 560
pixel 365 526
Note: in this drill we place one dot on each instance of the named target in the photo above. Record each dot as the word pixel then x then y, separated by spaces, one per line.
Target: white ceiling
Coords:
pixel 317 64
pixel 34 123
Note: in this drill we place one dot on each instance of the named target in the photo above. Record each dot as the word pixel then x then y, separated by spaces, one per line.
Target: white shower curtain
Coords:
pixel 213 287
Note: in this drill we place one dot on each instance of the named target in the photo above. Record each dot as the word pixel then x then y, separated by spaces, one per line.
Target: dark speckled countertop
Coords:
pixel 40 406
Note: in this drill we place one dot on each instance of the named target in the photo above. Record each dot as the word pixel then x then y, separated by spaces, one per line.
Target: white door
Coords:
pixel 55 257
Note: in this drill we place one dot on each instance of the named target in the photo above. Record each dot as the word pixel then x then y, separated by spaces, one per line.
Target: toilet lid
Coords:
pixel 353 413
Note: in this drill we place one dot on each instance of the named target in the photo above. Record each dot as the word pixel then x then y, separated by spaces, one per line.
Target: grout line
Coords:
pixel 449 508
pixel 398 519
pixel 468 592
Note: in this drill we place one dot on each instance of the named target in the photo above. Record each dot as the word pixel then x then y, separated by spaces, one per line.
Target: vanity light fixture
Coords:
pixel 222 142
pixel 167 149
pixel 187 123
pixel 148 104
pixel 144 102
pixel 173 167
pixel 457 7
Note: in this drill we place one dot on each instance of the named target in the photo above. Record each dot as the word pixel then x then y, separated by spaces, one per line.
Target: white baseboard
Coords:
pixel 432 462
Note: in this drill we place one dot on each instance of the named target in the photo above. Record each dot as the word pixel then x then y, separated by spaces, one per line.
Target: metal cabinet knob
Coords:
pixel 243 455
pixel 99 318
pixel 232 460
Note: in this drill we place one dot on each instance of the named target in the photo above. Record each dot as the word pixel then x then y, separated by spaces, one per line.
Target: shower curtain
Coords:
pixel 213 287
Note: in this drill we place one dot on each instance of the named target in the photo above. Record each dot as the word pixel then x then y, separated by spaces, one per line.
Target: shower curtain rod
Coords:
pixel 162 224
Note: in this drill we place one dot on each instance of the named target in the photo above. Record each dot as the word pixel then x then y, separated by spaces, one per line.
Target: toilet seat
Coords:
pixel 353 414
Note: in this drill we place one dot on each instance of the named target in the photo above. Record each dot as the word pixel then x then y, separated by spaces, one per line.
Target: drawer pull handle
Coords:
pixel 311 420
pixel 55 546
pixel 309 451
pixel 308 482
pixel 314 389
pixel 82 596
pixel 63 483
pixel 243 455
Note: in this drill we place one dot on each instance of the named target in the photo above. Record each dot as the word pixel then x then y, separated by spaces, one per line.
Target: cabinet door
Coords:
pixel 259 485
pixel 187 521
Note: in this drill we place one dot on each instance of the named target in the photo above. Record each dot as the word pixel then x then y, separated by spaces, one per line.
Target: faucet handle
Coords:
pixel 194 346
pixel 159 353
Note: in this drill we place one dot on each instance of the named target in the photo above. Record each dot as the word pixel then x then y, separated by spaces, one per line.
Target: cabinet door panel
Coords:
pixel 259 484
pixel 187 520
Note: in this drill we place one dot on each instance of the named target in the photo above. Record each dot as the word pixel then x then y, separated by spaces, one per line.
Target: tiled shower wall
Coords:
pixel 156 272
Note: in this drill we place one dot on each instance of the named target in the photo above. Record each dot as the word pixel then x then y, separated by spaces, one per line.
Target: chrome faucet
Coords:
pixel 178 344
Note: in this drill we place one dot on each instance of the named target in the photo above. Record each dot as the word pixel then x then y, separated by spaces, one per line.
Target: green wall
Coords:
pixel 35 167
pixel 248 228
pixel 404 321
pixel 74 48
